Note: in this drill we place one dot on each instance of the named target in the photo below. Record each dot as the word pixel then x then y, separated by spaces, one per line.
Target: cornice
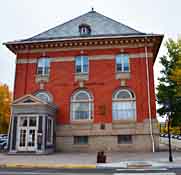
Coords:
pixel 73 44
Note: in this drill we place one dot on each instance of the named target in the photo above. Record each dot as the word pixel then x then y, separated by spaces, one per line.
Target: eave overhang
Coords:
pixel 18 46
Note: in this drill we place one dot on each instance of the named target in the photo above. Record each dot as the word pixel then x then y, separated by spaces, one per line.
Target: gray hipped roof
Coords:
pixel 100 26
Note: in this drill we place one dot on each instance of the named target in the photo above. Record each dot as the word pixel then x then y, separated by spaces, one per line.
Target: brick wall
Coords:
pixel 101 83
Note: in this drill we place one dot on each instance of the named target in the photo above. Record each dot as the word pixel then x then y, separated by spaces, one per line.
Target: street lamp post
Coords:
pixel 168 107
pixel 169 139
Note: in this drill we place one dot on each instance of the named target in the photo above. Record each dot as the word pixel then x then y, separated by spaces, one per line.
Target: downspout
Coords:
pixel 10 127
pixel 148 91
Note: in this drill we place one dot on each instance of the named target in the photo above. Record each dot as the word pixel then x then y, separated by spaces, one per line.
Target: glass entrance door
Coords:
pixel 27 133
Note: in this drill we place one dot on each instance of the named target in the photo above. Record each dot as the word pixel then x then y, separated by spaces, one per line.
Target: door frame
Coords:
pixel 27 128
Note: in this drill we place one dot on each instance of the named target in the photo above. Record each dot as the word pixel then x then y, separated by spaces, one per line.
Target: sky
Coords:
pixel 22 19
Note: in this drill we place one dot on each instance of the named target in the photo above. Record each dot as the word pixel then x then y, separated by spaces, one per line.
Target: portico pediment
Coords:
pixel 28 100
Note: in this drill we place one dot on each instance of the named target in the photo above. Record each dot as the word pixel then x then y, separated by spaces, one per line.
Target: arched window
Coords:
pixel 81 105
pixel 44 96
pixel 123 105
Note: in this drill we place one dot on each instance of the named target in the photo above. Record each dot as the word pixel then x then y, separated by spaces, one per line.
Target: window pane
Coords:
pixel 47 62
pixel 41 62
pixel 78 68
pixel 118 63
pixel 82 96
pixel 126 63
pixel 32 121
pixel 22 142
pixel 123 110
pixel 23 121
pixel 78 64
pixel 49 132
pixel 40 71
pixel 43 96
pixel 123 95
pixel 119 67
pixel 85 68
pixel 46 70
pixel 118 59
pixel 85 63
pixel 81 110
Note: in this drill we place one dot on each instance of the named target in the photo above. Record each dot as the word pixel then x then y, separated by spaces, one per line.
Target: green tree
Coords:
pixel 168 88
pixel 5 109
pixel 176 76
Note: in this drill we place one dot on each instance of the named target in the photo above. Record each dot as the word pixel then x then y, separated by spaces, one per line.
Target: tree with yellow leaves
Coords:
pixel 5 108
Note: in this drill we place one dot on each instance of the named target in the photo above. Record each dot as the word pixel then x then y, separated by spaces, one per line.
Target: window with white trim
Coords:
pixel 81 64
pixel 44 96
pixel 123 105
pixel 81 106
pixel 43 66
pixel 122 63
pixel 49 131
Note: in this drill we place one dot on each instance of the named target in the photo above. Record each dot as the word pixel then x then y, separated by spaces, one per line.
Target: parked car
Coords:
pixel 2 136
pixel 175 136
pixel 172 136
pixel 3 144
pixel 179 137
pixel 166 135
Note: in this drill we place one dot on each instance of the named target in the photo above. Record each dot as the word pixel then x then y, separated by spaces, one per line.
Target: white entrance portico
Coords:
pixel 32 126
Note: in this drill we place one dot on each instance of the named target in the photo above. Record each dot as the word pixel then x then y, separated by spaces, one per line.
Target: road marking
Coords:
pixel 166 173
pixel 154 169
pixel 27 173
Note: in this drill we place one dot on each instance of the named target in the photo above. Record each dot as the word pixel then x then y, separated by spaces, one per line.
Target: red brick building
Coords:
pixel 85 85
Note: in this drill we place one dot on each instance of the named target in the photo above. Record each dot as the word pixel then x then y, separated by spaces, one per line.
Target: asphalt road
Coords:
pixel 163 171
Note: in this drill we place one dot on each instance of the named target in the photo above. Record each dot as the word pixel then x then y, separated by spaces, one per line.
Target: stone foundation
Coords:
pixel 107 139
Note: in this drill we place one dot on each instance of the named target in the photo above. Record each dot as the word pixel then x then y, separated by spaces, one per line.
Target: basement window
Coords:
pixel 80 140
pixel 125 139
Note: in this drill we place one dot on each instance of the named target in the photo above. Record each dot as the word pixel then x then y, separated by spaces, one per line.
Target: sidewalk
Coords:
pixel 88 160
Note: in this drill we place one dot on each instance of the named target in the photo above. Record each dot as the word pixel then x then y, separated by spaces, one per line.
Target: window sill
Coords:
pixel 125 144
pixel 81 76
pixel 123 121
pixel 81 145
pixel 123 75
pixel 42 78
pixel 81 121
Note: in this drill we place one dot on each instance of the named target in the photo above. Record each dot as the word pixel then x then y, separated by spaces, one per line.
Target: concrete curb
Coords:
pixel 49 166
